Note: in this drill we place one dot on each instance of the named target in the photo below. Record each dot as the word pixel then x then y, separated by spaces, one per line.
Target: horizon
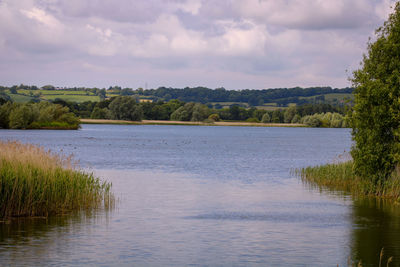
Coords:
pixel 176 44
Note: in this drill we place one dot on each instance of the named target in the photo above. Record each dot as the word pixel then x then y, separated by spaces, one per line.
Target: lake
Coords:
pixel 204 196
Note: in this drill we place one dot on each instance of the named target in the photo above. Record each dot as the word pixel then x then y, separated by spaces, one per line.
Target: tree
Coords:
pixel 289 114
pixel 266 118
pixel 125 108
pixel 21 117
pixel 375 117
pixel 277 116
pixel 200 112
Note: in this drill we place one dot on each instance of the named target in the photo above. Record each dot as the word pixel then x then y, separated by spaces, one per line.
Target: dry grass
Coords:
pixel 37 182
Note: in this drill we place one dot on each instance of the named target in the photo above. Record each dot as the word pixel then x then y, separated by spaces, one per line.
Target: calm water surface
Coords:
pixel 204 196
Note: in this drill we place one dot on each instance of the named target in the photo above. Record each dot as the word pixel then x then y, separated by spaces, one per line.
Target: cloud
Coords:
pixel 230 43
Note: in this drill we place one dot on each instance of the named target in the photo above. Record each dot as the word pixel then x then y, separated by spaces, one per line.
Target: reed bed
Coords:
pixel 340 176
pixel 37 182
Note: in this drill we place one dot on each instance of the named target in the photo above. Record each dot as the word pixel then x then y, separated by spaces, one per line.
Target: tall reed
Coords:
pixel 341 176
pixel 37 182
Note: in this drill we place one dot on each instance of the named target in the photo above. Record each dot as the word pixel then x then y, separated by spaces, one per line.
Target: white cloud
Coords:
pixel 42 17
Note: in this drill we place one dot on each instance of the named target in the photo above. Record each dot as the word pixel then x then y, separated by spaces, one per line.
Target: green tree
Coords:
pixel 21 117
pixel 266 118
pixel 376 113
pixel 296 119
pixel 214 117
pixel 5 111
pixel 200 112
pixel 277 116
pixel 125 108
pixel 289 114
pixel 100 113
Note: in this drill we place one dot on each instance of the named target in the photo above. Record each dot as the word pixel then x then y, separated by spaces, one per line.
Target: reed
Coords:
pixel 37 182
pixel 340 176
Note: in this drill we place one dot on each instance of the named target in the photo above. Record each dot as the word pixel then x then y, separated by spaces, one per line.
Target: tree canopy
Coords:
pixel 376 113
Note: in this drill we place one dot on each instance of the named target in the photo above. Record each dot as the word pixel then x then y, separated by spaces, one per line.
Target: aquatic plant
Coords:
pixel 37 182
pixel 341 176
pixel 359 263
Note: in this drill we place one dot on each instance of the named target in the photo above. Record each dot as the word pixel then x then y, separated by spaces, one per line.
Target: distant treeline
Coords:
pixel 129 108
pixel 280 96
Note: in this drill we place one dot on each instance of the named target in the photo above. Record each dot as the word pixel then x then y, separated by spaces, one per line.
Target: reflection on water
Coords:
pixel 36 241
pixel 376 225
pixel 214 196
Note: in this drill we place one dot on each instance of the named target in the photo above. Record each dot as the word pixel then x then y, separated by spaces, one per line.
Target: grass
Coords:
pixel 54 125
pixel 381 262
pixel 340 176
pixel 20 98
pixel 37 182
pixel 73 98
pixel 54 92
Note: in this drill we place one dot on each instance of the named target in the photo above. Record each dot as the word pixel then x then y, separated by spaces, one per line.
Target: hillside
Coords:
pixel 268 99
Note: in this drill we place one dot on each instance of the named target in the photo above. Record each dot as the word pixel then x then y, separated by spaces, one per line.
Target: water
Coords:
pixel 204 196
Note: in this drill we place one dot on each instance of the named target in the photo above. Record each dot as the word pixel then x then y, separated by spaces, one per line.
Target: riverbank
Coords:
pixel 341 177
pixel 36 182
pixel 218 123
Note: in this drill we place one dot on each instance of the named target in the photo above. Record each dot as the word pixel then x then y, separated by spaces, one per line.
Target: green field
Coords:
pixel 73 98
pixel 20 98
pixel 53 92
pixel 67 95
pixel 332 97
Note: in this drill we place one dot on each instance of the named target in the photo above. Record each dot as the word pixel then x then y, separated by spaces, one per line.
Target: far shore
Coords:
pixel 217 123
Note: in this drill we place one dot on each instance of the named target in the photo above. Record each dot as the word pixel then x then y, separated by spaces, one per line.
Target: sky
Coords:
pixel 235 44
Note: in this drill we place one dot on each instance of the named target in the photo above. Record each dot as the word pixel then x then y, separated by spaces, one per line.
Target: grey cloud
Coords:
pixel 218 43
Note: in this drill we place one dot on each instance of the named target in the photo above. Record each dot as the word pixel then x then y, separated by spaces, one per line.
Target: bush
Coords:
pixel 32 116
pixel 252 120
pixel 266 118
pixel 214 117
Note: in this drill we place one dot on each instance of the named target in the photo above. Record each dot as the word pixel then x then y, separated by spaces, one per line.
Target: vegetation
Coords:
pixel 129 108
pixel 190 104
pixel 36 182
pixel 43 115
pixel 375 118
pixel 341 177
pixel 376 115
pixel 217 98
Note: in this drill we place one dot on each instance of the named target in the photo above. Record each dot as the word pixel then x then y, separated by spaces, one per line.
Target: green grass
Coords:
pixel 36 182
pixel 331 97
pixel 20 98
pixel 54 125
pixel 73 98
pixel 341 177
pixel 54 92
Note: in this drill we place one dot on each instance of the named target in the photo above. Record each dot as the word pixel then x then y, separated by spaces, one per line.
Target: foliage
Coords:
pixel 281 96
pixel 36 182
pixel 214 117
pixel 37 115
pixel 100 113
pixel 376 114
pixel 341 176
pixel 125 108
pixel 200 112
pixel 332 120
pixel 266 118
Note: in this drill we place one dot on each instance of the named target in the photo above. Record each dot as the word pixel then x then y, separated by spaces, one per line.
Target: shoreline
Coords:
pixel 192 123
